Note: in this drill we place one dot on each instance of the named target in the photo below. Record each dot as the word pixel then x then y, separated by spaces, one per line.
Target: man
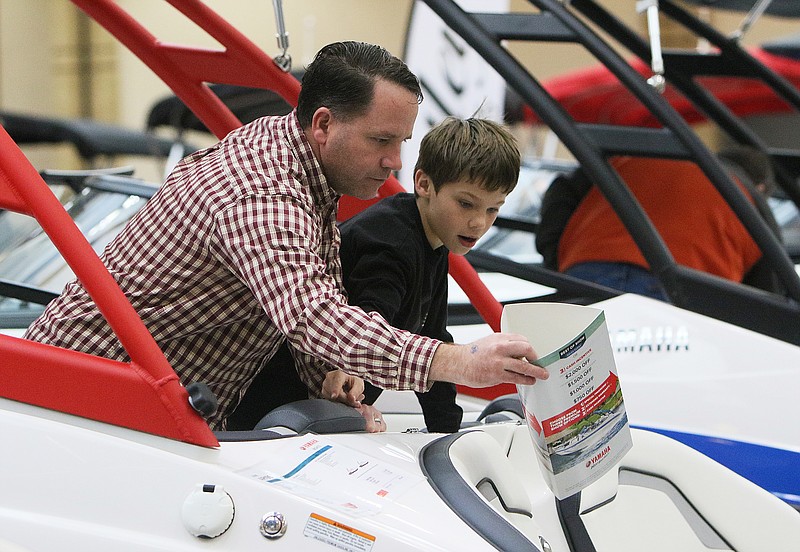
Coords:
pixel 239 251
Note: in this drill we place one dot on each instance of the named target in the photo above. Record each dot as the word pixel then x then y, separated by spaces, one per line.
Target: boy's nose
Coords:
pixel 477 222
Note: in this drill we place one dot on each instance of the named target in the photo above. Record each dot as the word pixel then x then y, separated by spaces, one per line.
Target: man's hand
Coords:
pixel 374 418
pixel 344 388
pixel 494 359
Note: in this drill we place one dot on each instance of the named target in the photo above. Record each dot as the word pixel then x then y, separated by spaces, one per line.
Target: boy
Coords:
pixel 395 253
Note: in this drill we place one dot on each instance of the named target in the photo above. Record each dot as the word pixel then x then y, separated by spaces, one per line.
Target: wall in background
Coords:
pixel 53 61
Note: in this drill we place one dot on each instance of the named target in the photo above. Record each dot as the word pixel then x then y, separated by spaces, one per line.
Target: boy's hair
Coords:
pixel 342 78
pixel 473 150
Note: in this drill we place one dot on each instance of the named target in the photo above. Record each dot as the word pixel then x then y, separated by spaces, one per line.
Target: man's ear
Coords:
pixel 320 125
pixel 423 184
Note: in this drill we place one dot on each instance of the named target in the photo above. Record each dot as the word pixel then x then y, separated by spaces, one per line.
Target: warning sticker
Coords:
pixel 337 534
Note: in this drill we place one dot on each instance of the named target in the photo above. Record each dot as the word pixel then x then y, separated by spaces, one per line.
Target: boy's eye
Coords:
pixel 493 210
pixel 465 204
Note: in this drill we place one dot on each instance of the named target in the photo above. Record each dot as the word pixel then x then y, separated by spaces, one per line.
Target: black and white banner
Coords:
pixel 455 79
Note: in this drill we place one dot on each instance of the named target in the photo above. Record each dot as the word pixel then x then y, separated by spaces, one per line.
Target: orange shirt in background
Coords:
pixel 697 225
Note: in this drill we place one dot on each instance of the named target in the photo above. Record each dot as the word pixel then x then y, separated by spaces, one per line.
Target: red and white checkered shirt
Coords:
pixel 238 251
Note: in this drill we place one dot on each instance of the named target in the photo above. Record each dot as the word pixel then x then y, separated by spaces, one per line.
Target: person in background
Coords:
pixel 237 254
pixel 581 235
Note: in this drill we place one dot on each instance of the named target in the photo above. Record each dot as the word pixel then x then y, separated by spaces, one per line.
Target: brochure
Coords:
pixel 577 416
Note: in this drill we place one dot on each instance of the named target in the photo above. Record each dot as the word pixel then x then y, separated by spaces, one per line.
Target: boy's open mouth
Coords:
pixel 467 241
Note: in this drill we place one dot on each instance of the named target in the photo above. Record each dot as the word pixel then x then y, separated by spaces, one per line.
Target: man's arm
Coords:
pixel 270 242
pixel 497 358
pixel 296 291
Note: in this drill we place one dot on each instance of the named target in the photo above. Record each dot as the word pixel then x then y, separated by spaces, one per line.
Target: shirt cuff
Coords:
pixel 416 357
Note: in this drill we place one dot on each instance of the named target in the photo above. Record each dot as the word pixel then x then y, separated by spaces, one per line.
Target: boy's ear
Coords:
pixel 423 184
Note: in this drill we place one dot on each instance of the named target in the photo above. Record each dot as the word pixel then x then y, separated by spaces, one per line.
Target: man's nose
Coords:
pixel 392 161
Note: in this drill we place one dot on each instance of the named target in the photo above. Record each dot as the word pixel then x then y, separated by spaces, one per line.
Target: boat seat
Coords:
pixel 505 407
pixel 675 497
pixel 247 435
pixel 473 476
pixel 701 504
pixel 314 416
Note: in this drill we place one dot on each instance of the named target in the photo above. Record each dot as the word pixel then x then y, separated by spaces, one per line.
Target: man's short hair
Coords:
pixel 342 78
pixel 472 150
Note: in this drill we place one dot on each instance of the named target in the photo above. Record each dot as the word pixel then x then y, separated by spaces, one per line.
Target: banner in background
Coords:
pixel 455 79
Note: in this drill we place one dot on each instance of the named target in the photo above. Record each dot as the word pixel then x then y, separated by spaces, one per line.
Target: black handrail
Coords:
pixel 743 64
pixel 26 293
pixel 592 145
pixel 554 115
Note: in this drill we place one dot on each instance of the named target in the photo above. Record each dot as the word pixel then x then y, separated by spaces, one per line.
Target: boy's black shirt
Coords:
pixel 390 268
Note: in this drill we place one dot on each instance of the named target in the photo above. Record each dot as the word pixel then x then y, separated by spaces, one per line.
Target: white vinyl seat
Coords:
pixel 472 474
pixel 480 461
pixel 663 496
pixel 680 499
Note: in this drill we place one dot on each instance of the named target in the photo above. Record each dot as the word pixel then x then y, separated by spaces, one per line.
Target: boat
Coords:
pixel 117 455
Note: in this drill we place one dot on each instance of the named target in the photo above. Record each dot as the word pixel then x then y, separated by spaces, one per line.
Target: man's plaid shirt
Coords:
pixel 238 251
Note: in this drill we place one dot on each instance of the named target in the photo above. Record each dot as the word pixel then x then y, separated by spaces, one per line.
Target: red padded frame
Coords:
pixel 144 394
